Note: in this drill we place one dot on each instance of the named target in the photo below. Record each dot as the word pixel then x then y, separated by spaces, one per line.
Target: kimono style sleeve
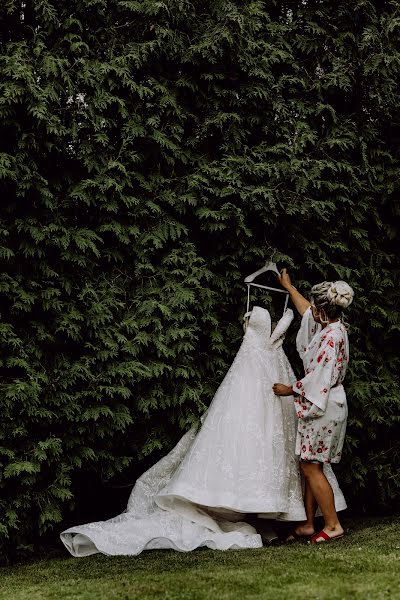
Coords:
pixel 308 329
pixel 316 385
pixel 305 409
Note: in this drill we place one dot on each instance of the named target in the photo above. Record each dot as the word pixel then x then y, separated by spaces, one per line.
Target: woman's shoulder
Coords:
pixel 335 332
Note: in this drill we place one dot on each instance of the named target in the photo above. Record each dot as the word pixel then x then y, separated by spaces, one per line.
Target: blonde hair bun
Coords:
pixel 340 294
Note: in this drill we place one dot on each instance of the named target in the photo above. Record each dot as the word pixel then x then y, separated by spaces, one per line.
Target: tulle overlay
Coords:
pixel 241 460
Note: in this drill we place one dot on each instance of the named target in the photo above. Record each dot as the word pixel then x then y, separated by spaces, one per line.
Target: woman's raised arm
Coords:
pixel 298 300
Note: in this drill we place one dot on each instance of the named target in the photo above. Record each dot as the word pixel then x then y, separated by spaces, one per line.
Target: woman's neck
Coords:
pixel 323 325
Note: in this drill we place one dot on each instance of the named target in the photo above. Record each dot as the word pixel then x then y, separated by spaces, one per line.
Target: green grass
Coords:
pixel 364 566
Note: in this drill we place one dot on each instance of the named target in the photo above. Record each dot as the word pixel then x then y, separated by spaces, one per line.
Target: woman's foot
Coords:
pixel 327 535
pixel 301 532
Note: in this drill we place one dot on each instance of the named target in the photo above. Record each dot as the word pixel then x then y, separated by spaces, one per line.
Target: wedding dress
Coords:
pixel 241 460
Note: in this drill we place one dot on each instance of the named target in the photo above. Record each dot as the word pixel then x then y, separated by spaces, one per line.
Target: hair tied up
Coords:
pixel 340 294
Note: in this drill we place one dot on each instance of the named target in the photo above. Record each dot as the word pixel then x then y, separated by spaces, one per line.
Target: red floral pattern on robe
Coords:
pixel 322 417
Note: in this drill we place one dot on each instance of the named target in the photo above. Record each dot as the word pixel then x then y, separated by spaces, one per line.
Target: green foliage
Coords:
pixel 151 155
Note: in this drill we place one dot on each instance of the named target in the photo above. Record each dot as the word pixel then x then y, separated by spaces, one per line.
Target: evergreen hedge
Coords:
pixel 152 155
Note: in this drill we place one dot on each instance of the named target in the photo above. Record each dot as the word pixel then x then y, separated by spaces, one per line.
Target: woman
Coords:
pixel 320 399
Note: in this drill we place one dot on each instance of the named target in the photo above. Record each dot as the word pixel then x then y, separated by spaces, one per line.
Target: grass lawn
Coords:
pixel 366 565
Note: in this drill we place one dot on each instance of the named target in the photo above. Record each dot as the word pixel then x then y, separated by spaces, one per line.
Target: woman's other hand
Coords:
pixel 280 389
pixel 284 279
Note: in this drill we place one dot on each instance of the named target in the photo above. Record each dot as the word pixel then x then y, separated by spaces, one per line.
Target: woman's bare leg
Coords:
pixel 306 528
pixel 323 494
pixel 310 504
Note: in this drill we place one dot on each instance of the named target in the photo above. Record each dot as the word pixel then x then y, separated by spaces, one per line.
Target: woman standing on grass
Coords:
pixel 320 399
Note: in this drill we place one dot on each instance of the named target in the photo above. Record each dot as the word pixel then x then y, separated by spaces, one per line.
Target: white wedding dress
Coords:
pixel 241 460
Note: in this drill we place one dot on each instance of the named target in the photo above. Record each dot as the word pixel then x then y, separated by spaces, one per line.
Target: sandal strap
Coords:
pixel 322 534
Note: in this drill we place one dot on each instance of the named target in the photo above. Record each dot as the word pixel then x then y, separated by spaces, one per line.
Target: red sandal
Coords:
pixel 325 537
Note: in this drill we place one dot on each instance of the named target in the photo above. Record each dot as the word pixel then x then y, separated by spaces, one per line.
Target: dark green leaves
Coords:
pixel 151 156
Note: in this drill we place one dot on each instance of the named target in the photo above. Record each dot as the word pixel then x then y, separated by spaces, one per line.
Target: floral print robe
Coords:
pixel 320 399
